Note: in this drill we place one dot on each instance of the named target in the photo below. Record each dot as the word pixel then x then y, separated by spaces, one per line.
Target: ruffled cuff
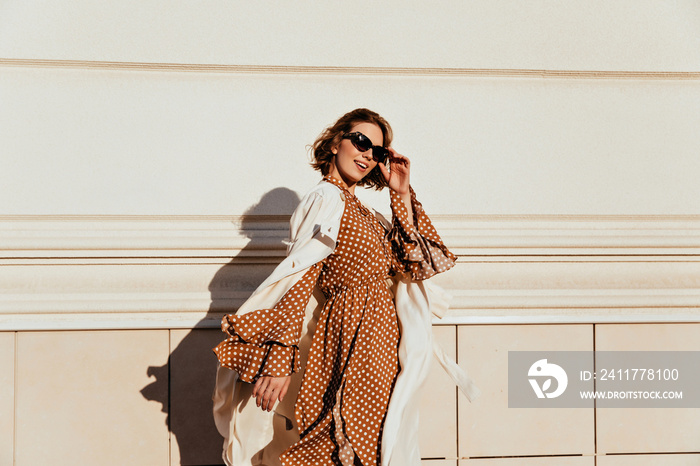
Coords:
pixel 263 326
pixel 251 361
pixel 253 353
pixel 281 361
pixel 417 246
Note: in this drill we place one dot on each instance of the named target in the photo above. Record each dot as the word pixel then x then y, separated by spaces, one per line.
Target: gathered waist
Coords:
pixel 372 280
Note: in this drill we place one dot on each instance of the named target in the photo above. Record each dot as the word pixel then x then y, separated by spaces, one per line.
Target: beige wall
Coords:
pixel 117 140
pixel 152 152
pixel 142 396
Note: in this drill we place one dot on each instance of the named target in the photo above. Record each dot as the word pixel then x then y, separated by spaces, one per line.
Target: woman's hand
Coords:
pixel 268 390
pixel 398 178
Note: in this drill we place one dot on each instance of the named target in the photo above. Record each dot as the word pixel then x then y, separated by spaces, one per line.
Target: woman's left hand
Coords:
pixel 398 177
pixel 267 390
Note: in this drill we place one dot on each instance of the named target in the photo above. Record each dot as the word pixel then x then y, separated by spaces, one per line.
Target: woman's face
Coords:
pixel 350 165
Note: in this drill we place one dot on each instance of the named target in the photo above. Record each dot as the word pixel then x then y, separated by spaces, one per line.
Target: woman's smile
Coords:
pixel 363 166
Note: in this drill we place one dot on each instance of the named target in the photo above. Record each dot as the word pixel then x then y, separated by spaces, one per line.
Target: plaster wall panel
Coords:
pixel 439 463
pixel 126 293
pixel 194 439
pixel 541 461
pixel 648 460
pixel 599 35
pixel 7 397
pixel 86 396
pixel 201 141
pixel 553 289
pixel 438 414
pixel 652 430
pixel 488 427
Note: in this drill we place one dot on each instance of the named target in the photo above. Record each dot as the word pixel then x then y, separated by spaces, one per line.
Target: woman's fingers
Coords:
pixel 263 392
pixel 398 158
pixel 259 389
pixel 400 172
pixel 268 399
pixel 268 390
pixel 259 385
pixel 395 157
pixel 385 172
pixel 399 164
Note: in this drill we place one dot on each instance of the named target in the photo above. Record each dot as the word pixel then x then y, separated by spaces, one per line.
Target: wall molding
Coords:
pixel 261 237
pixel 348 70
pixel 130 272
pixel 192 320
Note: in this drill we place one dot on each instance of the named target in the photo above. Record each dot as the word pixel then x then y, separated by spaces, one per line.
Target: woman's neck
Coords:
pixel 349 185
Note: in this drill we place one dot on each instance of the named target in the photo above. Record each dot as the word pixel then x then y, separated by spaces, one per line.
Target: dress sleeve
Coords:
pixel 265 342
pixel 417 247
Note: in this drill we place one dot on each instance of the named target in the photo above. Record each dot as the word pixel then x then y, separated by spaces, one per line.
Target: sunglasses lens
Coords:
pixel 362 142
pixel 379 154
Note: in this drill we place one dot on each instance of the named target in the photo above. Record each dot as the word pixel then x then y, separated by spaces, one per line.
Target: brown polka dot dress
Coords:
pixel 353 360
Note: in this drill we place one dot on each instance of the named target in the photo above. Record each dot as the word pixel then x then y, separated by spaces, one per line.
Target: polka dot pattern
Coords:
pixel 417 245
pixel 353 360
pixel 264 342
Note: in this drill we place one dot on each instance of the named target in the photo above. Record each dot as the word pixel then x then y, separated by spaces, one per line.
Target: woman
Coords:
pixel 342 413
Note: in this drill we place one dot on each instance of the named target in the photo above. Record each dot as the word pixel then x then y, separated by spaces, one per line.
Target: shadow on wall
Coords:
pixel 187 379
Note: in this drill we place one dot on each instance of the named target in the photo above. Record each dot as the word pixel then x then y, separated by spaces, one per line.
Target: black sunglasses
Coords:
pixel 363 144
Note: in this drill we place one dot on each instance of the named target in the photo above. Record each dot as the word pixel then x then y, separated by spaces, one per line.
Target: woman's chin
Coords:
pixel 356 177
pixel 362 175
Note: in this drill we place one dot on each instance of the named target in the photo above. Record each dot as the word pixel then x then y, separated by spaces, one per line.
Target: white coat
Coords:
pixel 253 437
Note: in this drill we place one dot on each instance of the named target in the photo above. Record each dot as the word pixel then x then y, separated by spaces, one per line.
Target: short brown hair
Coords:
pixel 322 148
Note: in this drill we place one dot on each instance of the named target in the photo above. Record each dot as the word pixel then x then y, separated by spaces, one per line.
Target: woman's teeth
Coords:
pixel 361 165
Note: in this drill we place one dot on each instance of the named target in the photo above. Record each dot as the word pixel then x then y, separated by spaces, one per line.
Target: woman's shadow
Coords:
pixel 185 383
